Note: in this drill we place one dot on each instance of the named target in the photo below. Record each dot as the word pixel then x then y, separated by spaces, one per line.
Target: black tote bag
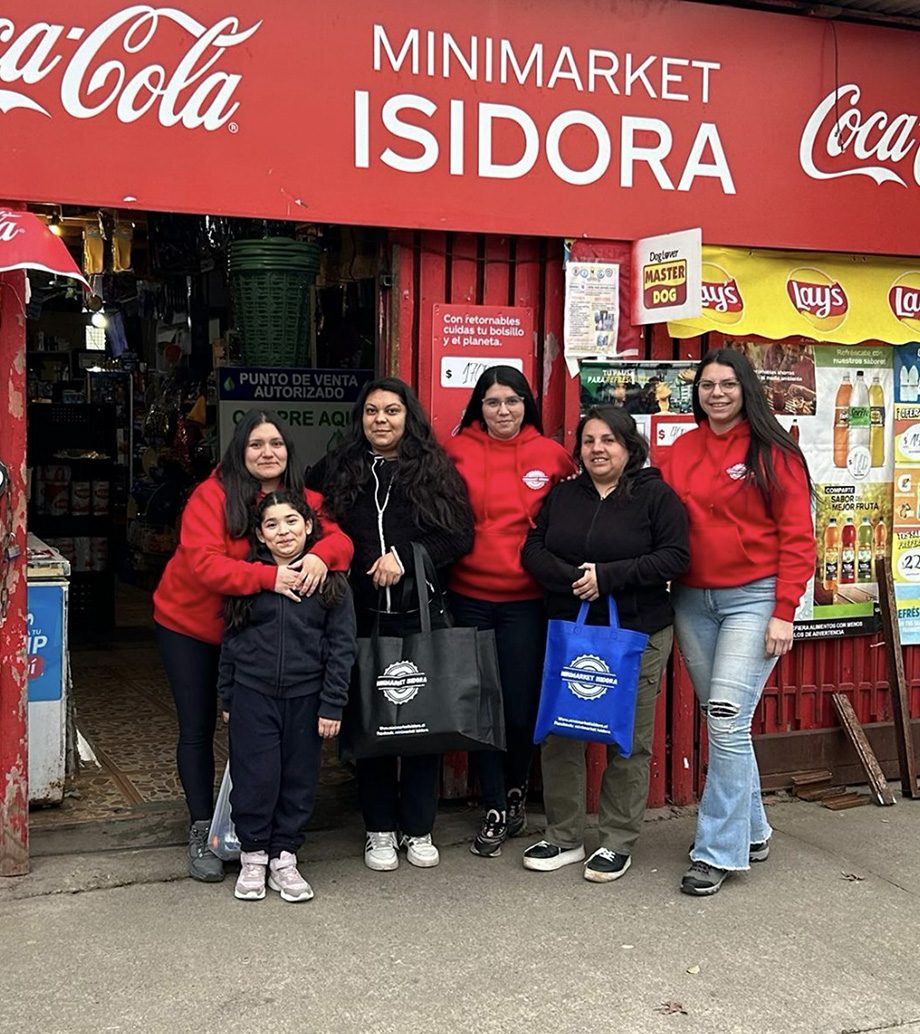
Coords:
pixel 426 692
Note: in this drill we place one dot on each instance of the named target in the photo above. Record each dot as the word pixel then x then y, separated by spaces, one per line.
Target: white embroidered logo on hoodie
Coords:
pixel 536 479
pixel 737 472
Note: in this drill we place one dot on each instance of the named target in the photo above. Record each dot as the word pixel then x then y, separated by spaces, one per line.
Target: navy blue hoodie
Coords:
pixel 290 649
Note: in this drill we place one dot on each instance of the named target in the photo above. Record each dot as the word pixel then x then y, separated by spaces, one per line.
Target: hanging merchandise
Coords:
pixel 122 238
pixel 93 249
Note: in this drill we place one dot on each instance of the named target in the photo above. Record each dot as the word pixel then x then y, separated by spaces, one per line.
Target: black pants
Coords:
pixel 275 753
pixel 520 637
pixel 399 793
pixel 191 668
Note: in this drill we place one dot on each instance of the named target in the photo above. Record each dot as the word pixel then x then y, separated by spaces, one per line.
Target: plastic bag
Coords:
pixel 222 837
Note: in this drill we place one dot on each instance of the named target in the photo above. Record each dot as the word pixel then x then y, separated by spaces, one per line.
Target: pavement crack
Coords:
pixel 895 1025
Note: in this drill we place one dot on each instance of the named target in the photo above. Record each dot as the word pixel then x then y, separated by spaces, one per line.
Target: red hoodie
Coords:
pixel 507 483
pixel 209 565
pixel 735 538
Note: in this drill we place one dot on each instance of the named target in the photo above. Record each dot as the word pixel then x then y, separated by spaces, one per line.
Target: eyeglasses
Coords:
pixel 494 405
pixel 727 386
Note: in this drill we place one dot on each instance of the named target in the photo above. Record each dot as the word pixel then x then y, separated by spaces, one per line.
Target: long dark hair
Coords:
pixel 766 430
pixel 507 377
pixel 624 429
pixel 238 608
pixel 241 488
pixel 425 473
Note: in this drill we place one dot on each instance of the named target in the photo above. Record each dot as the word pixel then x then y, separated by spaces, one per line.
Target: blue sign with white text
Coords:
pixel 45 641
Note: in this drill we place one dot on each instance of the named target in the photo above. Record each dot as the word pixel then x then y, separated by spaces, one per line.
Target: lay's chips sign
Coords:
pixel 844 299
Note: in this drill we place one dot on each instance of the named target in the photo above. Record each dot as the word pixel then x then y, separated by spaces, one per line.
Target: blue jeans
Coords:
pixel 721 636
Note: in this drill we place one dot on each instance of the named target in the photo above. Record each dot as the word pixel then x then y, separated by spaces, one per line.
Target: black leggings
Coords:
pixel 191 668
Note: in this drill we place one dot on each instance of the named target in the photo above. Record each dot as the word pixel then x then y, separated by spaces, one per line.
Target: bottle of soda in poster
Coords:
pixel 877 422
pixel 881 537
pixel 831 554
pixel 794 430
pixel 864 546
pixel 848 552
pixel 841 420
pixel 858 429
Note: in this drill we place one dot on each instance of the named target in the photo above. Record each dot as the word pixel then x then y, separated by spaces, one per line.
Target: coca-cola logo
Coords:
pixel 10 228
pixel 904 299
pixel 112 67
pixel 722 298
pixel 817 297
pixel 841 140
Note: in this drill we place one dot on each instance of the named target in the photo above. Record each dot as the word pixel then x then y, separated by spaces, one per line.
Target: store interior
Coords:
pixel 122 423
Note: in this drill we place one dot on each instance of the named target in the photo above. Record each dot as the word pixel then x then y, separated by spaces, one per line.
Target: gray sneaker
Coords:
pixel 203 864
pixel 284 877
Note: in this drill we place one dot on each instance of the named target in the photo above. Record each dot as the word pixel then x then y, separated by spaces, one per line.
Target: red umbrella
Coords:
pixel 27 243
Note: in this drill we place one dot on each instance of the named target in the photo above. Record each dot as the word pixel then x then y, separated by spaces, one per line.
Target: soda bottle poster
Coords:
pixel 836 401
pixel 905 546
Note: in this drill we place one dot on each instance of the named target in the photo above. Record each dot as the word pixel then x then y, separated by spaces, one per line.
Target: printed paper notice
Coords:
pixel 592 311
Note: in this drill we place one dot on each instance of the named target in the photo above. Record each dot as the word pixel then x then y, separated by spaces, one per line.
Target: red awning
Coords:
pixel 27 243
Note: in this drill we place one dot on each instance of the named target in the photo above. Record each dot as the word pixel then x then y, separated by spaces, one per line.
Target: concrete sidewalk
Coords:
pixel 824 938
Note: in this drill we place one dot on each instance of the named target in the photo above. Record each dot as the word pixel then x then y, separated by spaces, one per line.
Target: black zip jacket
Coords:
pixel 290 649
pixel 396 525
pixel 638 541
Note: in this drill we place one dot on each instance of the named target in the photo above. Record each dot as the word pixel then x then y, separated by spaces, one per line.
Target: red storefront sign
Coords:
pixel 467 340
pixel 507 116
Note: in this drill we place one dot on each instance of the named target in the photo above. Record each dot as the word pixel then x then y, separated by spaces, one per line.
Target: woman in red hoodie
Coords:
pixel 509 466
pixel 745 485
pixel 209 564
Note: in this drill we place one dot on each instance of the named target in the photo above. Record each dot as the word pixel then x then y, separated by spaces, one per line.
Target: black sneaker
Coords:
pixel 702 879
pixel 517 814
pixel 546 857
pixel 203 864
pixel 494 832
pixel 758 852
pixel 606 865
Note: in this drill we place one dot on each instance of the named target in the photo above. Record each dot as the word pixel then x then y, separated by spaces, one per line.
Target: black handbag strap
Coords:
pixel 426 573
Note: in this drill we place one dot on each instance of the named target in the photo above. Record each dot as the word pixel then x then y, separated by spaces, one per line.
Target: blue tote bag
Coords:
pixel 590 681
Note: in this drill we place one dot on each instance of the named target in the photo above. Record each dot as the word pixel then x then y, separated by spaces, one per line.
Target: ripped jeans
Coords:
pixel 721 637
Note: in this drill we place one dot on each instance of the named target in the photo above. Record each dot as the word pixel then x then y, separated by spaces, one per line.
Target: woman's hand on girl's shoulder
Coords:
pixel 287 581
pixel 313 573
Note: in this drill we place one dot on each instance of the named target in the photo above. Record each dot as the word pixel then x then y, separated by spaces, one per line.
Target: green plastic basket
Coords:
pixel 270 283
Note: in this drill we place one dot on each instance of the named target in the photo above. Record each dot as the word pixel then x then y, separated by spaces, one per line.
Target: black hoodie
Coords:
pixel 637 539
pixel 290 649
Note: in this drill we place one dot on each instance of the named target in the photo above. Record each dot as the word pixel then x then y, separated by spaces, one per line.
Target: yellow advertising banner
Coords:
pixel 843 299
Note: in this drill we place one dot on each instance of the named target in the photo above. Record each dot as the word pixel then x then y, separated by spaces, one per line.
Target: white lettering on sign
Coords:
pixel 412 133
pixel 9 227
pixel 872 141
pixel 442 134
pixel 95 74
pixel 498 60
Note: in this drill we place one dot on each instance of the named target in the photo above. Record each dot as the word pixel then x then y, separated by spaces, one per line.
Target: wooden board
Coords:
pixel 877 782
pixel 897 680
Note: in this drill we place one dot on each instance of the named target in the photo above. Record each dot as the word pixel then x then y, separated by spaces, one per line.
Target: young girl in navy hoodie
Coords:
pixel 284 672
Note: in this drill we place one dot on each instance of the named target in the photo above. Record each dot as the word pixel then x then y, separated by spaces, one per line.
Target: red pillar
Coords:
pixel 14 787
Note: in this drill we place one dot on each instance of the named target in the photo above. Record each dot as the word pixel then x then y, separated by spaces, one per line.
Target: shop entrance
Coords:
pixel 132 393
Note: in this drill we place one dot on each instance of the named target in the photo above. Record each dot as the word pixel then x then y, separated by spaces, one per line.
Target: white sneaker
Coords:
pixel 284 877
pixel 380 851
pixel 250 885
pixel 420 851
